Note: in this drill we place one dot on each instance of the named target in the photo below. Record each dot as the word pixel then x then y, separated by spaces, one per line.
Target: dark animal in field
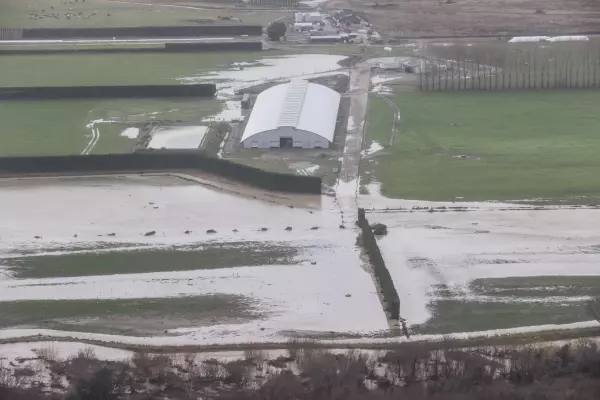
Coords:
pixel 151 233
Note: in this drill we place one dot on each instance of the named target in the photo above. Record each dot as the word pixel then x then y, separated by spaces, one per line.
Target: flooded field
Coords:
pixel 156 242
pixel 491 266
pixel 178 137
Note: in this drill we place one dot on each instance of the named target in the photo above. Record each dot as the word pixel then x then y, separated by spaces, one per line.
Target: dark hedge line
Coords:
pixel 160 161
pixel 390 295
pixel 166 48
pixel 88 92
pixel 142 31
pixel 214 46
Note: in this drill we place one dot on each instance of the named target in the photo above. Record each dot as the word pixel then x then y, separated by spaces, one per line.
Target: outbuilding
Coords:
pixel 297 114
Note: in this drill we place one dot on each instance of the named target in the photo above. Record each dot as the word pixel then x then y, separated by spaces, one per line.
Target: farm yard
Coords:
pixel 75 124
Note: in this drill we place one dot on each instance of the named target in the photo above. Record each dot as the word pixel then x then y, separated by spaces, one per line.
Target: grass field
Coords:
pixel 126 316
pixel 518 145
pixel 53 127
pixel 181 258
pixel 472 316
pixel 512 302
pixel 113 69
pixel 16 14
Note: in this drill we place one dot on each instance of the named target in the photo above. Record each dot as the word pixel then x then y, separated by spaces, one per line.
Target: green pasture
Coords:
pixel 451 316
pixel 58 127
pixel 511 303
pixel 488 146
pixel 114 68
pixel 135 317
pixel 134 261
pixel 16 14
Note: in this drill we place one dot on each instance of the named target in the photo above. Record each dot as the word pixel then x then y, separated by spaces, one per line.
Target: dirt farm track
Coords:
pixel 414 18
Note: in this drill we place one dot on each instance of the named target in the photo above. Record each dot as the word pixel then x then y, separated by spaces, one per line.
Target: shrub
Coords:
pixel 276 31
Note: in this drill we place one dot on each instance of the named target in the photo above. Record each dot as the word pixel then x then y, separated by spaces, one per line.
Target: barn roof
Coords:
pixel 298 104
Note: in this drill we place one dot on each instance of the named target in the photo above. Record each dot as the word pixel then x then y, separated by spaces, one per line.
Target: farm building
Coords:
pixel 308 17
pixel 295 114
pixel 327 39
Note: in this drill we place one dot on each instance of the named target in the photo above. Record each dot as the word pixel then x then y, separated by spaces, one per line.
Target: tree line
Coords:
pixel 512 67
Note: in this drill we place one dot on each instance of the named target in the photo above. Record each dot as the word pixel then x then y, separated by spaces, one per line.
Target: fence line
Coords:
pixel 11 33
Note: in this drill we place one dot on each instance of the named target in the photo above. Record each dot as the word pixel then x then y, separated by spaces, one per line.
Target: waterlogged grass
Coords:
pixel 127 316
pixel 519 145
pixel 91 263
pixel 57 127
pixel 468 316
pixel 114 68
pixel 537 287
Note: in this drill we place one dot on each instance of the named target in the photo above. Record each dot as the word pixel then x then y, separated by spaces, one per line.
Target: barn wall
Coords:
pixel 307 140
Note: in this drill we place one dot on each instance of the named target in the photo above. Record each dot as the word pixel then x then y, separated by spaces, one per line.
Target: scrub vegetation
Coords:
pixel 493 373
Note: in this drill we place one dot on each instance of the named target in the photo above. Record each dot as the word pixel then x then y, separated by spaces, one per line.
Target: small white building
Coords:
pixel 296 114
pixel 308 17
pixel 303 26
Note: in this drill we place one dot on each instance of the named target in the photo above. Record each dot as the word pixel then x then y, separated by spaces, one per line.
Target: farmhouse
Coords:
pixel 295 114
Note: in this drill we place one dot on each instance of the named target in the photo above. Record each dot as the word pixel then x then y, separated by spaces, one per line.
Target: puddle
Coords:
pixel 178 137
pixel 373 148
pixel 131 133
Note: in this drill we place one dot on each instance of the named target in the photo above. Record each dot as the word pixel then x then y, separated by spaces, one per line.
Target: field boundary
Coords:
pixel 382 274
pixel 90 92
pixel 157 161
pixel 142 31
pixel 164 48
pixel 364 343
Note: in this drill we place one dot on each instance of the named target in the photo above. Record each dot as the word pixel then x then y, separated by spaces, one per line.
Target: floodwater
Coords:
pixel 425 249
pixel 178 137
pixel 239 75
pixel 293 298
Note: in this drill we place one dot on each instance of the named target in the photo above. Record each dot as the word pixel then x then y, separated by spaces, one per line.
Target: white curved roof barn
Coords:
pixel 294 114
